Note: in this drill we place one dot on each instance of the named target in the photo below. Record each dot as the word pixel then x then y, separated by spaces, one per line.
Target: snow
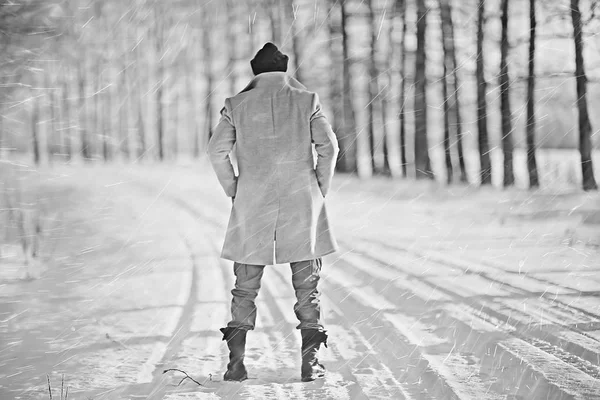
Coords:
pixel 444 277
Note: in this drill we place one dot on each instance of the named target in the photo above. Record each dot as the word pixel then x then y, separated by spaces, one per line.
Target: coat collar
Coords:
pixel 273 80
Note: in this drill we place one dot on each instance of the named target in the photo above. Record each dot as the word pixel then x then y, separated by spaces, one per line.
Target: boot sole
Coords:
pixel 235 380
pixel 228 378
pixel 312 378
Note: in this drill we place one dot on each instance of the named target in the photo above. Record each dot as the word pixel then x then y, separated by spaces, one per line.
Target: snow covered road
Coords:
pixel 435 294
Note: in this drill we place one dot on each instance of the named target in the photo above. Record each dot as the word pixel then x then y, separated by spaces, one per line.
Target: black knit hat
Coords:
pixel 269 59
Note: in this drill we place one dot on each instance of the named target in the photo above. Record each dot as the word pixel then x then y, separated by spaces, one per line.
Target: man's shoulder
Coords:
pixel 250 95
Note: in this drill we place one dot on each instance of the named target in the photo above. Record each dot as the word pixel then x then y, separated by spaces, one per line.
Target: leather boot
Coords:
pixel 311 341
pixel 236 341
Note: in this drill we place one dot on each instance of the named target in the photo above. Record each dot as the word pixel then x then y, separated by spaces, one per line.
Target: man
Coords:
pixel 278 197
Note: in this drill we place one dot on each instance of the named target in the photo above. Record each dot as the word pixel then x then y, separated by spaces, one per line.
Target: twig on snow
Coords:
pixel 184 378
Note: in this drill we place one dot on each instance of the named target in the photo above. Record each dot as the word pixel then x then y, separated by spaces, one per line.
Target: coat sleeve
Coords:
pixel 219 148
pixel 326 145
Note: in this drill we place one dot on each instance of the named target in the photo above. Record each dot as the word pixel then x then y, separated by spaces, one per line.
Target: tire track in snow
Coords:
pixel 149 378
pixel 419 378
pixel 560 359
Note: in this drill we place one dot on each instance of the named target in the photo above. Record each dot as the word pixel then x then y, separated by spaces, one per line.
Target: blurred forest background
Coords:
pixel 479 91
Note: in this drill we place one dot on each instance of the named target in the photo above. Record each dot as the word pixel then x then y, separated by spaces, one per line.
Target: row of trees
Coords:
pixel 109 79
pixel 452 124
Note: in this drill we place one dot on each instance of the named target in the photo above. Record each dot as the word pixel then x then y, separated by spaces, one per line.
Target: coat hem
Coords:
pixel 284 261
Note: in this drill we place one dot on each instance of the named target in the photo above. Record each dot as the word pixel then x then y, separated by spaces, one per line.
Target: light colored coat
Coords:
pixel 279 194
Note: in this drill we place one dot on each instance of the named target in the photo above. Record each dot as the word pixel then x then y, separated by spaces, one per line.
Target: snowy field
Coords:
pixel 436 293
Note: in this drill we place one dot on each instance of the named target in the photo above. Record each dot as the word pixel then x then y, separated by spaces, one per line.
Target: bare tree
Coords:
pixel 98 96
pixel 585 127
pixel 175 125
pixel 340 90
pixel 51 128
pixel 82 123
pixel 124 114
pixel 451 76
pixel 141 131
pixel 422 162
pixel 275 11
pixel 507 145
pixel 401 96
pixel 101 109
pixel 160 78
pixel 232 39
pixel 140 128
pixel 447 67
pixel 250 10
pixel 336 82
pixel 531 161
pixel 3 144
pixel 124 92
pixel 35 136
pixel 386 92
pixel 484 153
pixel 372 86
pixel 208 75
pixel 66 107
pixel 290 10
pixel 101 102
pixel 349 145
pixel 191 97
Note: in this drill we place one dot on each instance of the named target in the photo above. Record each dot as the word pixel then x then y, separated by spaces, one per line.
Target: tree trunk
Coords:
pixel 336 82
pixel 66 117
pixel 140 128
pixel 387 67
pixel 422 162
pixel 51 132
pixel 175 128
pixel 251 33
pixel 159 91
pixel 232 39
pixel 124 100
pixel 98 108
pixel 455 107
pixel 585 126
pixel 372 88
pixel 402 95
pixel 35 139
pixel 455 120
pixel 349 131
pixel 507 145
pixel 447 65
pixel 85 147
pixel 208 112
pixel 192 106
pixel 484 153
pixel 124 111
pixel 275 17
pixel 447 151
pixel 104 120
pixel 296 46
pixel 3 144
pixel 531 161
pixel 107 117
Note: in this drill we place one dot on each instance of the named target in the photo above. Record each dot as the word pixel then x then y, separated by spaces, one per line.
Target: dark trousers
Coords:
pixel 305 277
